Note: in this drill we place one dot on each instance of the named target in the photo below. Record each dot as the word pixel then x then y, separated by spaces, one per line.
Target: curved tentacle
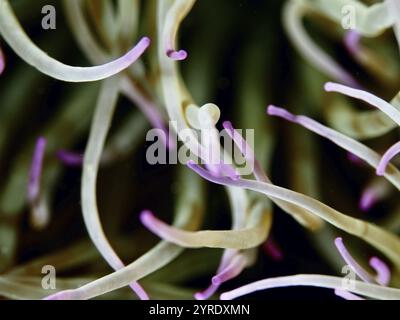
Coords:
pixel 365 289
pixel 14 35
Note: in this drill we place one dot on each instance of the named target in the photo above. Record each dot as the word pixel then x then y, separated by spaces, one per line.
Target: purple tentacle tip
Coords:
pixel 136 52
pixel 146 217
pixel 382 270
pixel 387 157
pixel 143 44
pixel 228 126
pixel 177 55
pixel 36 169
pixel 2 62
pixel 207 293
pixel 368 200
pixel 280 112
pixel 354 159
pixel 69 158
pixel 272 249
pixel 352 42
pixel 146 41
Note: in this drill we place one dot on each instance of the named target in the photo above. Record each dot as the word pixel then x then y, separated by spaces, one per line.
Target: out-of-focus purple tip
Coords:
pixel 272 249
pixel 146 217
pixel 206 294
pixel 382 270
pixel 228 126
pixel 36 169
pixel 70 159
pixel 2 62
pixel 352 42
pixel 368 200
pixel 177 55
pixel 280 112
pixel 354 159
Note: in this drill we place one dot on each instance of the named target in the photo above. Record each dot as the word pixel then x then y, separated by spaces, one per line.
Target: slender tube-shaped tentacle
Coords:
pixel 347 257
pixel 101 125
pixel 359 124
pixel 175 16
pixel 365 289
pixel 235 268
pixel 226 260
pixel 387 157
pixel 232 264
pixel 255 234
pixel 293 14
pixel 367 97
pixel 386 242
pixel 351 145
pixel 14 35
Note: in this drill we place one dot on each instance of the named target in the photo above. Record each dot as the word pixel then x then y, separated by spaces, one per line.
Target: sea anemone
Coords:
pixel 58 136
